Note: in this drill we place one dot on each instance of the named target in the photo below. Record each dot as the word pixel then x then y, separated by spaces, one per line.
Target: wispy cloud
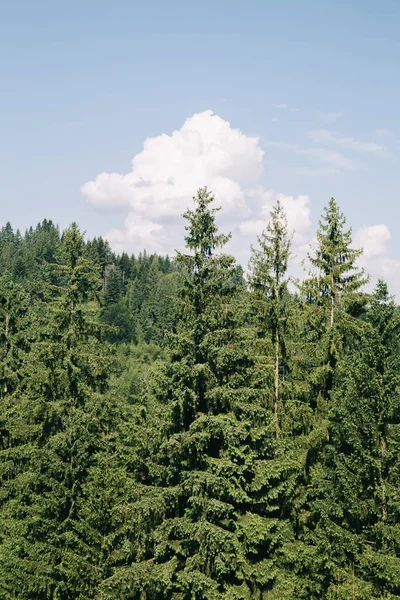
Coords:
pixel 330 117
pixel 333 158
pixel 323 136
pixel 292 109
pixel 310 172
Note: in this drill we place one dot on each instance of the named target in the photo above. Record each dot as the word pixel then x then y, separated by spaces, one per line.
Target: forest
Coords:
pixel 188 428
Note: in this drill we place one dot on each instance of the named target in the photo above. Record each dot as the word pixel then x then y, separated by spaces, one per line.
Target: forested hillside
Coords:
pixel 171 428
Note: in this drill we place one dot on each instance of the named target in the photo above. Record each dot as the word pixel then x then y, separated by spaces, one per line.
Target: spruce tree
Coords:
pixel 333 297
pixel 57 424
pixel 113 286
pixel 269 285
pixel 214 536
pixel 14 335
pixel 356 507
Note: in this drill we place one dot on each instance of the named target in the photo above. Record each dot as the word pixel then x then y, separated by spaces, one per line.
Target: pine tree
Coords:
pixel 215 536
pixel 269 285
pixel 147 314
pixel 14 336
pixel 356 508
pixel 57 425
pixel 333 295
pixel 326 325
pixel 113 286
pixel 338 279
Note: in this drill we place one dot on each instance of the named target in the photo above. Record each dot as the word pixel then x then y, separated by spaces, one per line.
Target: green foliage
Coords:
pixel 270 296
pixel 56 424
pixel 168 432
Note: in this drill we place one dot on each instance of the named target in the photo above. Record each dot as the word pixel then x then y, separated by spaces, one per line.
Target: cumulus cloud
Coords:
pixel 297 209
pixel 138 233
pixel 376 258
pixel 260 202
pixel 373 240
pixel 206 150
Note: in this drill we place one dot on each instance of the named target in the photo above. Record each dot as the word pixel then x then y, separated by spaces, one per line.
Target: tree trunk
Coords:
pixel 5 388
pixel 383 488
pixel 332 308
pixel 276 402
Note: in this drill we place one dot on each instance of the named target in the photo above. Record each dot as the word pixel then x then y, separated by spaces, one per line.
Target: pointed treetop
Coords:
pixel 269 263
pixel 334 257
pixel 203 237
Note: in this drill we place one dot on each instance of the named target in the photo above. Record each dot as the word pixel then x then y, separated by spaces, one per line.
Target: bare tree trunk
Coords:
pixel 332 308
pixel 7 347
pixel 383 489
pixel 276 403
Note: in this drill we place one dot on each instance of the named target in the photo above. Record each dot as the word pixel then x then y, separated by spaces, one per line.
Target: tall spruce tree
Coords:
pixel 328 325
pixel 269 285
pixel 14 333
pixel 356 505
pixel 217 534
pixel 337 278
pixel 333 297
pixel 56 423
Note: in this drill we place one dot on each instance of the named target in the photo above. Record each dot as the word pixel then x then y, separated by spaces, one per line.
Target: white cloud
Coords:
pixel 252 227
pixel 139 233
pixel 373 240
pixel 323 136
pixel 205 151
pixel 280 106
pixel 297 209
pixel 376 258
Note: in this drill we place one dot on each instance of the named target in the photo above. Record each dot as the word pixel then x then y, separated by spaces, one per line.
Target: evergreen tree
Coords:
pixel 269 284
pixel 333 297
pixel 356 507
pixel 113 286
pixel 57 425
pixel 213 539
pixel 14 335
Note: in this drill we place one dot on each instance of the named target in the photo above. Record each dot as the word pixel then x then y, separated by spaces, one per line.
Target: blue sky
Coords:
pixel 84 84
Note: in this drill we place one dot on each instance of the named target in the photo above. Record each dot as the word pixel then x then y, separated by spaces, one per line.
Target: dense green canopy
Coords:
pixel 173 430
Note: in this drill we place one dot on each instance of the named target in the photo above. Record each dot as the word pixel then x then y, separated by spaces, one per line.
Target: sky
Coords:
pixel 112 114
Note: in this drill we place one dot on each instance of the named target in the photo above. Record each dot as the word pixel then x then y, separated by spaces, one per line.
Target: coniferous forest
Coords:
pixel 181 429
